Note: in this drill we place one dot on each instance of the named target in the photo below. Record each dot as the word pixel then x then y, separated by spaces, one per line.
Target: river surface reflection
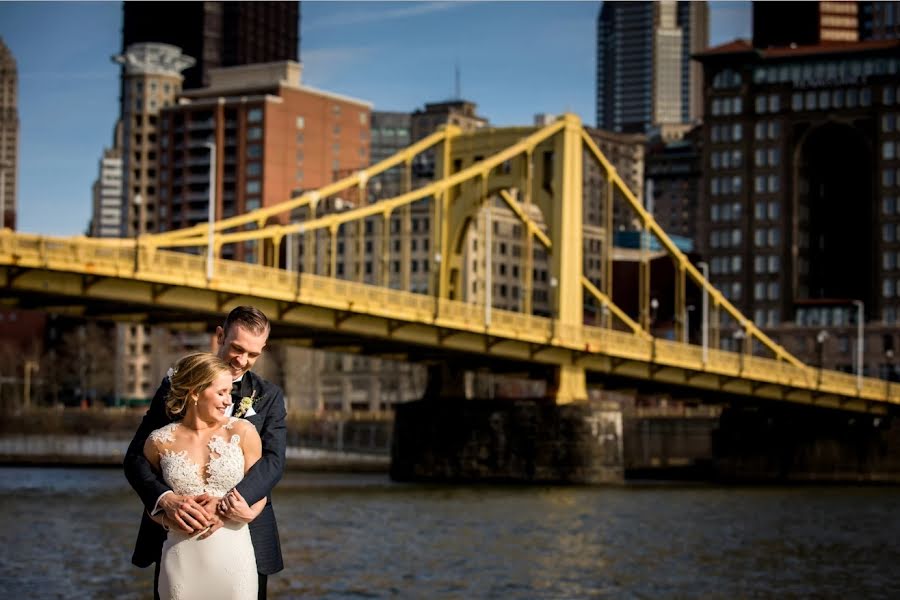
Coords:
pixel 68 533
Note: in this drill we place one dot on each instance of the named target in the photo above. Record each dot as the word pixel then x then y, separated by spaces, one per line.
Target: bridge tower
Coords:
pixel 550 177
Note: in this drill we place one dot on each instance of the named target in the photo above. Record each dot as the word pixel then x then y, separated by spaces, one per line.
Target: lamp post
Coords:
pixel 704 312
pixel 553 283
pixel 687 322
pixel 739 336
pixel 212 210
pixel 654 309
pixel 820 347
pixel 31 366
pixel 860 315
pixel 889 355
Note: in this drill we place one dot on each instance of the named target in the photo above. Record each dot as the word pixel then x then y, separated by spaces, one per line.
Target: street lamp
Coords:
pixel 687 322
pixel 553 283
pixel 889 355
pixel 654 308
pixel 860 315
pixel 704 312
pixel 31 366
pixel 739 336
pixel 820 346
pixel 212 210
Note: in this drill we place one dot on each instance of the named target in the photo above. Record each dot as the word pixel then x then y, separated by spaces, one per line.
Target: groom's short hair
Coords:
pixel 250 318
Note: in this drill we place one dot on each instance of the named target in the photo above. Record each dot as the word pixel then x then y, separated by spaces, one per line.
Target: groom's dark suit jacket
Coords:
pixel 257 483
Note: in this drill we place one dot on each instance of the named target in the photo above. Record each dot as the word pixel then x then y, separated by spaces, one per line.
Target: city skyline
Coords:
pixel 361 49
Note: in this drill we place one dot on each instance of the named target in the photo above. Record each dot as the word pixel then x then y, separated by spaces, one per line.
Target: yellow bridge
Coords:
pixel 180 276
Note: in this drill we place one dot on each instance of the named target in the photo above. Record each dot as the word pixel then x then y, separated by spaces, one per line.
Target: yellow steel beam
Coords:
pixel 480 169
pixel 606 301
pixel 528 221
pixel 197 233
pixel 746 324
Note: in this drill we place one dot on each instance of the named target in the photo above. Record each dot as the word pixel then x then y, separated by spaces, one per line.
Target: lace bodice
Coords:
pixel 223 471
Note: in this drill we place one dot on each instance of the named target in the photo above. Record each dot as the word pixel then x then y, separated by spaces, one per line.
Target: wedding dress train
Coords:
pixel 223 565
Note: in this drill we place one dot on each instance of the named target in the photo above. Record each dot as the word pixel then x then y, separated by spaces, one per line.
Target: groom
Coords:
pixel 241 341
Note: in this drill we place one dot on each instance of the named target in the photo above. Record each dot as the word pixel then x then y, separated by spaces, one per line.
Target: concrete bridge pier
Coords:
pixel 449 438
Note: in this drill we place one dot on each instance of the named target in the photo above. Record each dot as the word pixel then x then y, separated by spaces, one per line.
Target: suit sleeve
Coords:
pixel 262 477
pixel 148 484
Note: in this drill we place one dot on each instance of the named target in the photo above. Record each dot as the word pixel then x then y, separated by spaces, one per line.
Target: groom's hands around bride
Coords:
pixel 189 513
pixel 215 521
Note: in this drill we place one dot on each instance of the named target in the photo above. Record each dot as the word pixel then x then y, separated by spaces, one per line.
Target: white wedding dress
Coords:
pixel 223 566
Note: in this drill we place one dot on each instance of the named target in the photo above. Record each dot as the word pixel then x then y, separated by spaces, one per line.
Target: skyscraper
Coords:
pixel 107 191
pixel 216 34
pixel 9 136
pixel 151 80
pixel 644 73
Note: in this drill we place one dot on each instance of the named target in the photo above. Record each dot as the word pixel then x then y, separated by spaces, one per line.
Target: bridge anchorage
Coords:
pixel 336 264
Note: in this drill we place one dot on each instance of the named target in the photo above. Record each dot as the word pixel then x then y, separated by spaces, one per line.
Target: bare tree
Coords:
pixel 83 366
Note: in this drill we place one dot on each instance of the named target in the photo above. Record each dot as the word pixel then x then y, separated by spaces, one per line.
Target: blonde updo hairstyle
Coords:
pixel 191 374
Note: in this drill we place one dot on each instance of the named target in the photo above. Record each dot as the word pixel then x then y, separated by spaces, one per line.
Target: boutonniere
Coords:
pixel 245 406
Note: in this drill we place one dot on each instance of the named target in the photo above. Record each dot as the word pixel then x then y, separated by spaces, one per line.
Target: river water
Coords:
pixel 68 533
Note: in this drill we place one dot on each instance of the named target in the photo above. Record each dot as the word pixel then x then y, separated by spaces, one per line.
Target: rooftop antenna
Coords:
pixel 458 88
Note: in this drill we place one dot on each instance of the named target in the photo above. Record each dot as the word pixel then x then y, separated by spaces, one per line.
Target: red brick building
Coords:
pixel 273 137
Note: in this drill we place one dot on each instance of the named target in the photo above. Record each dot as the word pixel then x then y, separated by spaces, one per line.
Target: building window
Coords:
pixel 254 115
pixel 774 103
pixel 865 97
pixel 363 119
pixel 773 210
pixel 759 238
pixel 254 133
pixel 759 130
pixel 887 150
pixel 253 169
pixel 774 263
pixel 252 187
pixel 760 104
pixel 759 184
pixel 254 151
pixel 301 122
pixel 887 288
pixel 759 291
pixel 774 290
pixel 252 203
pixel 759 158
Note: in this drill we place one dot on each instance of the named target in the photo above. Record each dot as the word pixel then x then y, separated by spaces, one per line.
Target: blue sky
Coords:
pixel 515 59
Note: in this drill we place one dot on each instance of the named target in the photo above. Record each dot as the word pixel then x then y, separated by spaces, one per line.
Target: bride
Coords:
pixel 204 451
